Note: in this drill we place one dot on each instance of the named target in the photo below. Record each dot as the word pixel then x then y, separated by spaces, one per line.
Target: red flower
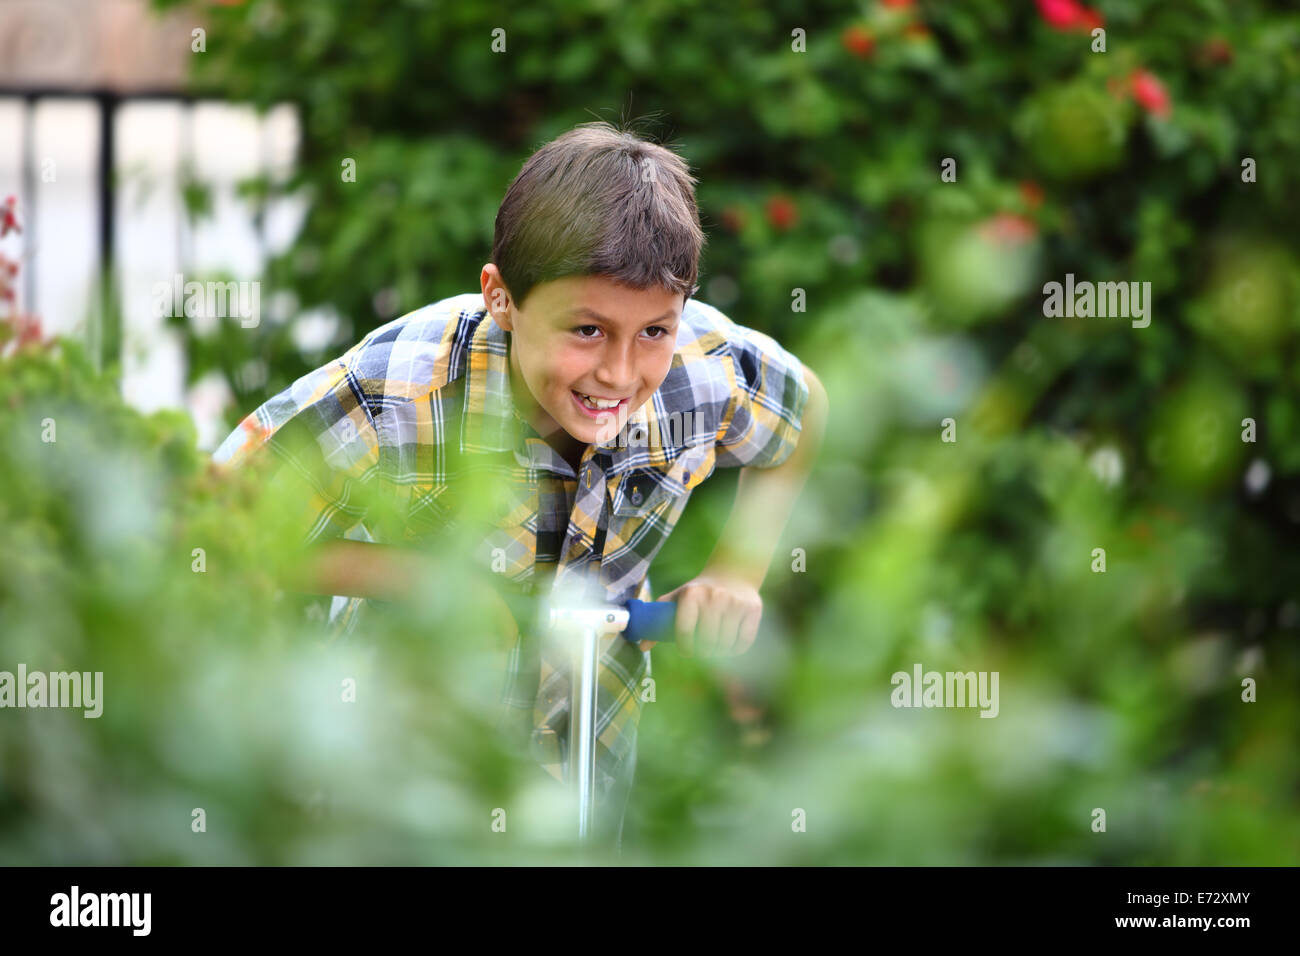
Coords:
pixel 1006 228
pixel 858 41
pixel 1069 15
pixel 21 331
pixel 8 220
pixel 897 4
pixel 1090 20
pixel 781 212
pixel 1216 50
pixel 29 330
pixel 1140 530
pixel 1031 193
pixel 733 218
pixel 254 428
pixel 1150 92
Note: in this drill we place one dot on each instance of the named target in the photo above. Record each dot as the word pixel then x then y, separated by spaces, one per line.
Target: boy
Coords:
pixel 589 381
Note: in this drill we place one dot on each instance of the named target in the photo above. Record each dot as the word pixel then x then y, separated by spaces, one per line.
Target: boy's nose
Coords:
pixel 617 372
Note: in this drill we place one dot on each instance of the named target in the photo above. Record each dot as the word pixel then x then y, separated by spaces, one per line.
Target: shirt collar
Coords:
pixel 492 422
pixel 489 421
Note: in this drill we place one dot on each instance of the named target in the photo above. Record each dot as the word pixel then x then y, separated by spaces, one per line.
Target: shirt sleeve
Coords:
pixel 761 427
pixel 319 446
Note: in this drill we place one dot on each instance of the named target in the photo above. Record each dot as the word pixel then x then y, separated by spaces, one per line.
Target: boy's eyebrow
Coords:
pixel 592 313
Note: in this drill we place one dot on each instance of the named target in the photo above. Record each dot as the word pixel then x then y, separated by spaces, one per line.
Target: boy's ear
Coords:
pixel 499 306
pixel 495 296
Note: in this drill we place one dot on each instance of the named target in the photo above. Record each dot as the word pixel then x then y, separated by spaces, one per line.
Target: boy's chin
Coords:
pixel 595 432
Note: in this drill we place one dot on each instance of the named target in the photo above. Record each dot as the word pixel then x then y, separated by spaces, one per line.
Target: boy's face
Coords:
pixel 585 336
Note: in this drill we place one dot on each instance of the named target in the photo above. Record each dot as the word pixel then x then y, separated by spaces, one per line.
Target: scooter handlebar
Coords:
pixel 651 621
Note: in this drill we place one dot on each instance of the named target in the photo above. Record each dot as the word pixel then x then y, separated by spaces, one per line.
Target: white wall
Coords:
pixel 154 139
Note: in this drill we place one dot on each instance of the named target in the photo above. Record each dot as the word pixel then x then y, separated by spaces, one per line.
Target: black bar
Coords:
pixel 110 318
pixel 981 907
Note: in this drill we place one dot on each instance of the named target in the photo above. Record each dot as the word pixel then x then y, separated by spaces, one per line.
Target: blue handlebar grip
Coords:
pixel 651 621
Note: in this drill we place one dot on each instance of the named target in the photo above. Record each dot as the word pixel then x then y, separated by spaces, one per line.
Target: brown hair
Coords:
pixel 600 201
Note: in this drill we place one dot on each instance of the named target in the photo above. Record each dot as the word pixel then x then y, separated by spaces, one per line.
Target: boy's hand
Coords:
pixel 717 613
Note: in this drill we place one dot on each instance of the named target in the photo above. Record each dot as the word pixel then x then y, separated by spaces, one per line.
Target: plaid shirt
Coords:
pixel 423 403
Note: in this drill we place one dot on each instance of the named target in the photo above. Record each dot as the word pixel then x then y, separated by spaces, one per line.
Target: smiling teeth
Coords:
pixel 598 402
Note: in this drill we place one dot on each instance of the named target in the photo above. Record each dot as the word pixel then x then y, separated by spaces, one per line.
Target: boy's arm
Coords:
pixel 384 572
pixel 359 569
pixel 720 609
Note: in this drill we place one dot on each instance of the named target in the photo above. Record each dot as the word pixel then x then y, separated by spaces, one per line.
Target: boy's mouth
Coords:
pixel 596 407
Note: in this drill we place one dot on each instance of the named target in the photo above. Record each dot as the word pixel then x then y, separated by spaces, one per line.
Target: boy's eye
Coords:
pixel 590 331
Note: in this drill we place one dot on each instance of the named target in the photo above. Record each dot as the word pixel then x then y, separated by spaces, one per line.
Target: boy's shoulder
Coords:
pixel 417 353
pixel 393 365
pixel 750 388
pixel 738 358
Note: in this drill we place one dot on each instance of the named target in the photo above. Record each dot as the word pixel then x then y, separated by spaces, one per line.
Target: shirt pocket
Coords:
pixel 646 491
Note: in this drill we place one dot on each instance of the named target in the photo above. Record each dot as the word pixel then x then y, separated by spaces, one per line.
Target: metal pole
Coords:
pixel 582 726
pixel 583 625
